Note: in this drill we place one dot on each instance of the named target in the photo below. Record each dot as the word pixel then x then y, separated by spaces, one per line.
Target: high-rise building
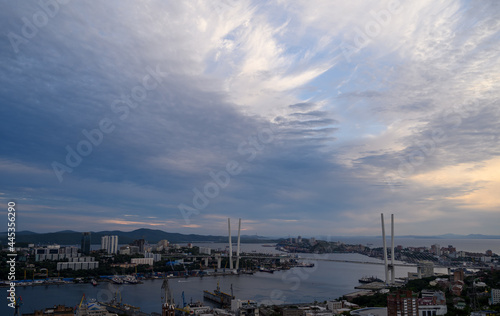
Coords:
pixel 86 243
pixel 402 303
pixel 110 244
pixel 436 249
pixel 139 243
pixel 425 269
pixel 163 243
pixel 205 251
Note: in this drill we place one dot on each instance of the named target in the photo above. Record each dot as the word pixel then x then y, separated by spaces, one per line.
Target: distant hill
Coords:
pixel 454 236
pixel 68 237
pixel 443 236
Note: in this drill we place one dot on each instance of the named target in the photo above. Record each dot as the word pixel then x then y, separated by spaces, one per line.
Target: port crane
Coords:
pixel 168 305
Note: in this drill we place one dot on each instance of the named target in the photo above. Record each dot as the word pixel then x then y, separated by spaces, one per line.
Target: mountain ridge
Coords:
pixel 69 237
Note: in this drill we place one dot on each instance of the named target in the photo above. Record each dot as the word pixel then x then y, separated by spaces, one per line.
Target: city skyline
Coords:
pixel 295 117
pixel 443 236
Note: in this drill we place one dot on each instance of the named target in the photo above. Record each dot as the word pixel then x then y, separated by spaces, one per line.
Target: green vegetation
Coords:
pixel 490 278
pixel 376 300
pixel 421 284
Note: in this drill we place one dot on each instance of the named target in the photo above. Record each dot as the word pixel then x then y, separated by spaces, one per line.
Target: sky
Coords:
pixel 299 117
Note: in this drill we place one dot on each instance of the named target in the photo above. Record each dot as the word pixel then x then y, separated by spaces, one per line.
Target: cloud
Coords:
pixel 191 226
pixel 406 122
pixel 479 183
pixel 128 223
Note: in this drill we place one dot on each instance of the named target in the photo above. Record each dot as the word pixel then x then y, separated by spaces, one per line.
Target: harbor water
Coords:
pixel 327 280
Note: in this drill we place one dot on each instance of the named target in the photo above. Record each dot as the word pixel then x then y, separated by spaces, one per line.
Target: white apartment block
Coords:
pixel 148 261
pixel 110 244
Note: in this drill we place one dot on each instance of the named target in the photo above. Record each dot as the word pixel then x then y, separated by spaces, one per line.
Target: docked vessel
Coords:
pixel 90 308
pixel 56 310
pixel 117 280
pixel 116 306
pixel 130 279
pixel 218 296
pixel 369 279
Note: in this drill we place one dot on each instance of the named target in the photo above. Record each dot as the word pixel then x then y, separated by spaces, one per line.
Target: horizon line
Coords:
pixel 256 235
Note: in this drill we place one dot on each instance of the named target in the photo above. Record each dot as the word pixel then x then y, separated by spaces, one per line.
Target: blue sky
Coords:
pixel 301 118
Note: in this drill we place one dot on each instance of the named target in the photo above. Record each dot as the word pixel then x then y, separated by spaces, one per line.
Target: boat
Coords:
pixel 117 280
pixel 130 279
pixel 55 310
pixel 261 269
pixel 218 296
pixel 89 308
pixel 305 265
pixel 369 279
pixel 116 306
pixel 94 282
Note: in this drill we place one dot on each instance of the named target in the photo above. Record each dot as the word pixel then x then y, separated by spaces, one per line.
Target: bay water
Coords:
pixel 327 280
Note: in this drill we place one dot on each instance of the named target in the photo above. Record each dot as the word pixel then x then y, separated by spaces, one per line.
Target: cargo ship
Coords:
pixel 218 296
pixel 369 279
pixel 116 306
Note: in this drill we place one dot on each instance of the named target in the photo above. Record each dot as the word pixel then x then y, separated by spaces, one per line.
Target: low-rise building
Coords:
pixel 334 305
pixel 320 313
pixel 156 256
pixel 429 307
pixel 129 250
pixel 484 313
pixel 370 311
pixel 245 307
pixel 77 265
pixel 457 287
pixel 495 296
pixel 124 265
pixel 82 259
pixel 460 305
pixel 205 251
pixel 148 261
pixel 54 253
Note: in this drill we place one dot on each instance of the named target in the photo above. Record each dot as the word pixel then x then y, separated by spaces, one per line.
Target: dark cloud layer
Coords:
pixel 177 94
